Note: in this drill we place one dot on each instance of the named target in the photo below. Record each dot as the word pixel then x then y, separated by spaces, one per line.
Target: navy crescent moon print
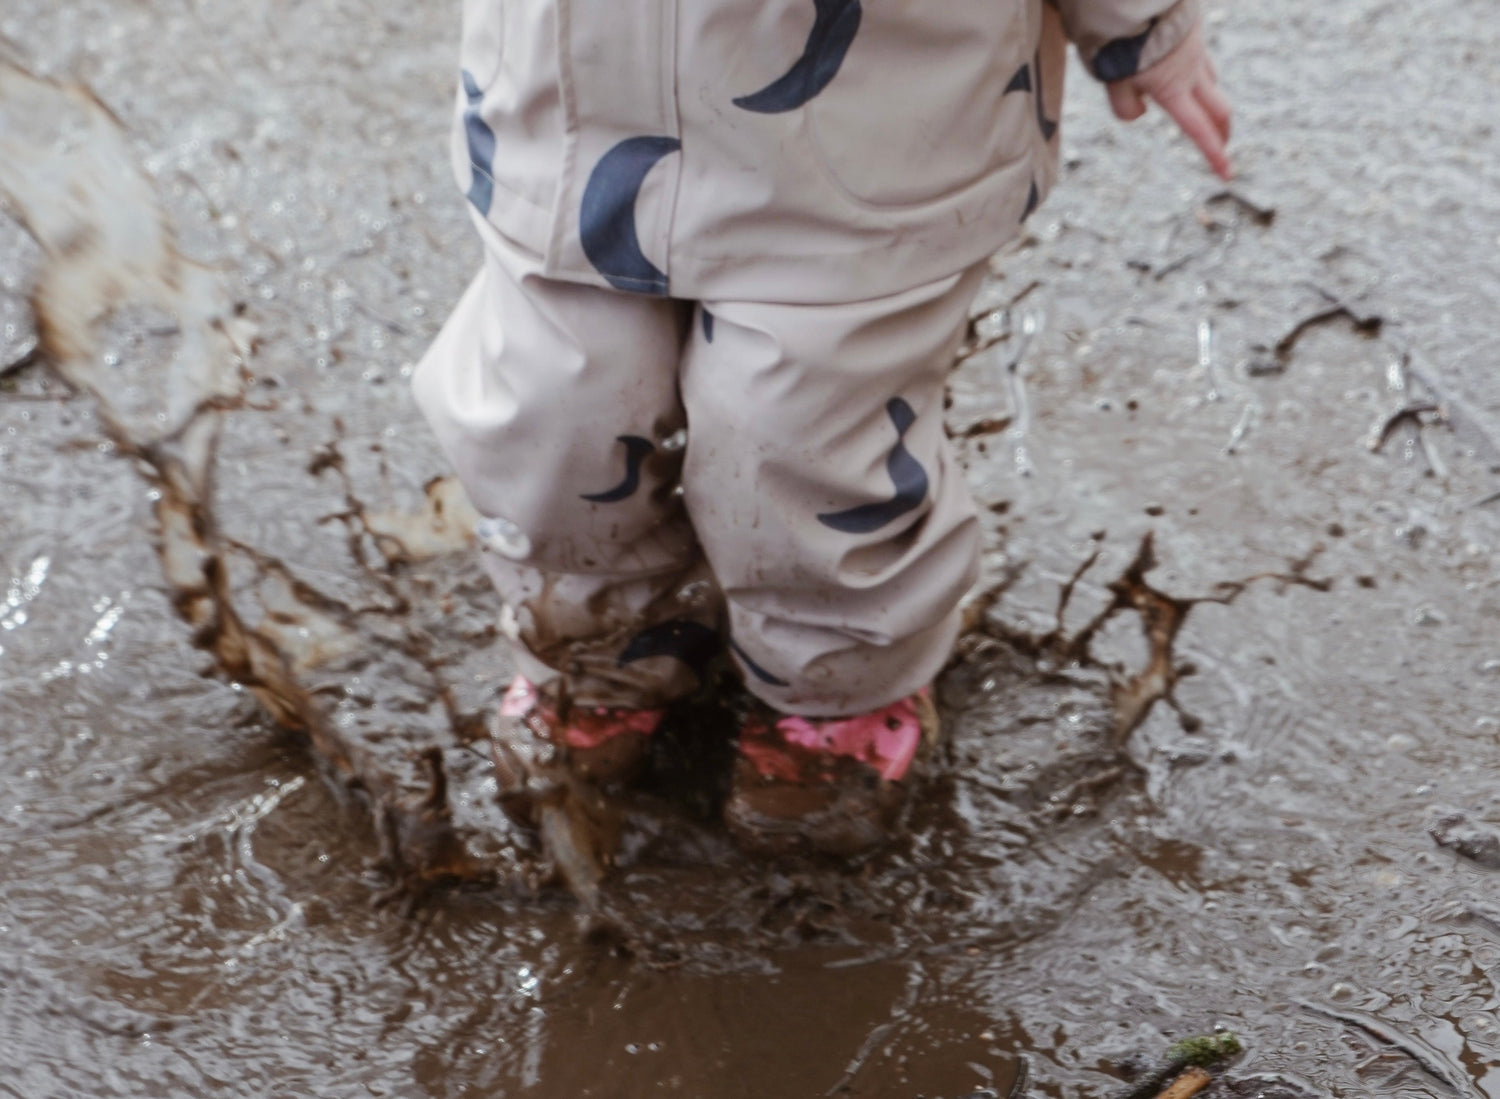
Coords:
pixel 636 451
pixel 606 217
pixel 906 473
pixel 835 23
pixel 691 642
pixel 481 141
pixel 1121 59
pixel 755 669
pixel 1022 82
pixel 1047 125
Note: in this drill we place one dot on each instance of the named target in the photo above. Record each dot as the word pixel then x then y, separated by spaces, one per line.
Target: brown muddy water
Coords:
pixel 219 506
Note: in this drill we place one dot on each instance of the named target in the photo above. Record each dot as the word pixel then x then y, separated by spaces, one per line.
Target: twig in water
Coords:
pixel 1427 1059
pixel 1190 1053
pixel 1176 265
pixel 899 1015
pixel 1278 355
pixel 1023 1078
pixel 1261 215
pixel 1457 414
pixel 1491 498
pixel 1189 1084
pixel 1413 411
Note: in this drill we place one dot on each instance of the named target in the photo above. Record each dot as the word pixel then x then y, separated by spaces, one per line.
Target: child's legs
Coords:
pixel 557 405
pixel 821 485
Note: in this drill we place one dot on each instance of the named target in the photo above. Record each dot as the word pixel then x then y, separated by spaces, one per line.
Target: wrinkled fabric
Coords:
pixel 696 389
pixel 1118 38
pixel 769 151
pixel 663 480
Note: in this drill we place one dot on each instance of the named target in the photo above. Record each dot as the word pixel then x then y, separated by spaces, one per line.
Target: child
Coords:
pixel 697 387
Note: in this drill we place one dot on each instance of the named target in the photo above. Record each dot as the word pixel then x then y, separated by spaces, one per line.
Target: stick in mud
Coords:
pixel 1189 1084
pixel 1203 1052
pixel 1259 212
pixel 1279 354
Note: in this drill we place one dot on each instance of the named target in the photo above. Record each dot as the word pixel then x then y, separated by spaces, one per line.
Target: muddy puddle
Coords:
pixel 1224 730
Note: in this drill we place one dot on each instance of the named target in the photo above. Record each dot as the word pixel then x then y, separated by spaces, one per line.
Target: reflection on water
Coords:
pixel 219 503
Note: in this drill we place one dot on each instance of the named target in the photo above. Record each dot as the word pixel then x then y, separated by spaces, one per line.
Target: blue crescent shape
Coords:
pixel 1122 57
pixel 606 218
pixel 691 642
pixel 636 449
pixel 906 473
pixel 1048 126
pixel 481 148
pixel 1022 82
pixel 1033 198
pixel 833 30
pixel 755 669
pixel 708 326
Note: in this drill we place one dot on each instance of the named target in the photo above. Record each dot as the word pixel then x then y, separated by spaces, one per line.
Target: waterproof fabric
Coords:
pixel 664 478
pixel 804 750
pixel 775 150
pixel 696 388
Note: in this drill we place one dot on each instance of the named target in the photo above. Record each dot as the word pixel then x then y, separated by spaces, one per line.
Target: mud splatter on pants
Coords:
pixel 697 387
pixel 664 477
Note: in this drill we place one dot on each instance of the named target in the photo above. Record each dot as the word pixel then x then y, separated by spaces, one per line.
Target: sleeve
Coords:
pixel 1119 38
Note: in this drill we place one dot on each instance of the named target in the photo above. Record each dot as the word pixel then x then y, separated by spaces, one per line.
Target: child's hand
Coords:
pixel 1184 84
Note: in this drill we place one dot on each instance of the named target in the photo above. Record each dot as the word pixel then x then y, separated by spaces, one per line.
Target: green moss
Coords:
pixel 1206 1050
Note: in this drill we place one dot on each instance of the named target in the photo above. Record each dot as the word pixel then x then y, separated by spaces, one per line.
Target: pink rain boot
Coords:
pixel 833 784
pixel 604 746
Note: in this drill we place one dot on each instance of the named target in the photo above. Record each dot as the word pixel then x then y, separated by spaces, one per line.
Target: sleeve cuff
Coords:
pixel 1122 56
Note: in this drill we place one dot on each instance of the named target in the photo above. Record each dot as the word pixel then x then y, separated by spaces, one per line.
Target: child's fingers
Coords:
pixel 1126 101
pixel 1216 107
pixel 1191 117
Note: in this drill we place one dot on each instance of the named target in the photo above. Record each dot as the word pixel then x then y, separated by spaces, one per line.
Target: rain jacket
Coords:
pixel 800 151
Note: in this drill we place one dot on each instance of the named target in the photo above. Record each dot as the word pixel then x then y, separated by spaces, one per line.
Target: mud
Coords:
pixel 1236 651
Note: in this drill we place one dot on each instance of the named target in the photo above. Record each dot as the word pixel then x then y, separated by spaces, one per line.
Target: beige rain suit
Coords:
pixel 729 250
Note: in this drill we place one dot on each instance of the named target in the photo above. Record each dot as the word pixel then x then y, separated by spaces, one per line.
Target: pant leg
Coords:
pixel 823 491
pixel 558 406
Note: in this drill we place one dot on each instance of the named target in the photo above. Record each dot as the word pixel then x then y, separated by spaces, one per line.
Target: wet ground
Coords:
pixel 219 505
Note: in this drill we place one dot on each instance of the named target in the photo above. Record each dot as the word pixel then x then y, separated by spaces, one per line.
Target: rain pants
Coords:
pixel 696 388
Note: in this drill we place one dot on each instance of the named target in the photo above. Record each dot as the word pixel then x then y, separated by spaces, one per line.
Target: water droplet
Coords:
pixel 503 537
